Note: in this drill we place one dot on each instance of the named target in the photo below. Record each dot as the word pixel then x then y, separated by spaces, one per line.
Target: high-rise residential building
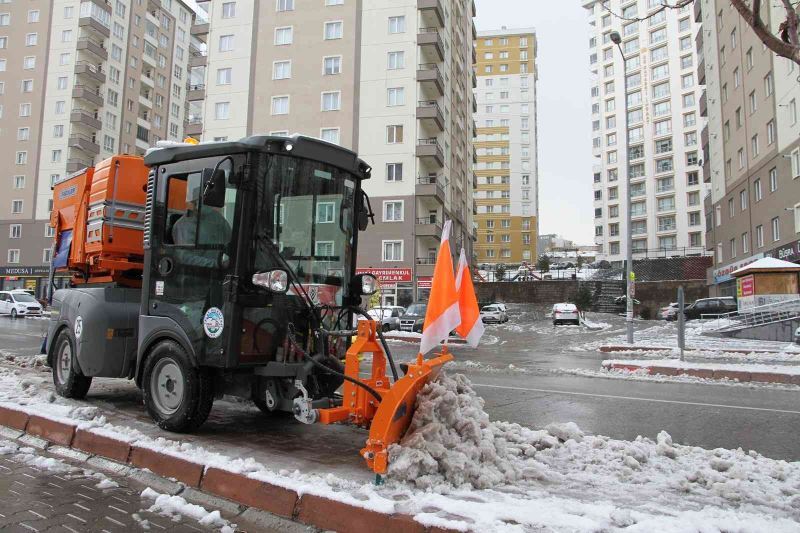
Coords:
pixel 751 144
pixel 80 80
pixel 390 79
pixel 658 85
pixel 507 192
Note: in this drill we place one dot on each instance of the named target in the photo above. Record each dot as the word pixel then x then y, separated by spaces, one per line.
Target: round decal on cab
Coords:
pixel 213 322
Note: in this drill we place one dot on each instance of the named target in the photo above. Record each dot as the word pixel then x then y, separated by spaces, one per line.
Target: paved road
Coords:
pixel 43 499
pixel 706 415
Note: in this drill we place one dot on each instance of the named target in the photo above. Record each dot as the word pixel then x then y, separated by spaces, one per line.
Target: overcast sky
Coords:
pixel 565 153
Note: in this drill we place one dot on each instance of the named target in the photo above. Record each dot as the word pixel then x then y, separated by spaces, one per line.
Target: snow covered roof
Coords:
pixel 767 264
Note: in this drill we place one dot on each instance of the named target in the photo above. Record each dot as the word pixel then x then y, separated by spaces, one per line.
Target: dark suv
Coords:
pixel 710 306
pixel 414 317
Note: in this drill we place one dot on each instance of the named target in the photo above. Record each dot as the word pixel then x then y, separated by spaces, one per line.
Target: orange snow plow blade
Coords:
pixel 388 420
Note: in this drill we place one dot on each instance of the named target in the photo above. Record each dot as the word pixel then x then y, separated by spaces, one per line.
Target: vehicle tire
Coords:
pixel 177 395
pixel 13 313
pixel 68 379
pixel 386 328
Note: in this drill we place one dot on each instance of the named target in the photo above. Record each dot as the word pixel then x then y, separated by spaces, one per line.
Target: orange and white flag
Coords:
pixel 471 327
pixel 443 315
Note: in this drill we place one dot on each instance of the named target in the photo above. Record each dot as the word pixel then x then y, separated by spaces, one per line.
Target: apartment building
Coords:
pixel 81 80
pixel 506 145
pixel 658 85
pixel 751 144
pixel 390 79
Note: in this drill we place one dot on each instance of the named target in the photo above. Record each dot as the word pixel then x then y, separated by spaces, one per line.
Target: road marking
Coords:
pixel 28 527
pixel 114 521
pixel 79 506
pixel 655 400
pixel 34 513
pixel 76 517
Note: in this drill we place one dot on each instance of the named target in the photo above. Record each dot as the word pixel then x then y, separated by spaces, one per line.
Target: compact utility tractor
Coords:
pixel 227 268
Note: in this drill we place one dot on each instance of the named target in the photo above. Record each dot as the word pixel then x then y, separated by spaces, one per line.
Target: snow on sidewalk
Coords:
pixel 688 365
pixel 460 470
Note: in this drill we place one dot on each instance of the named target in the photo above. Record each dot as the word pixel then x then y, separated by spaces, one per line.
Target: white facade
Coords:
pixel 663 94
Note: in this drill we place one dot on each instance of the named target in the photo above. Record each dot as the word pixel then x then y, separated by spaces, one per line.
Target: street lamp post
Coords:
pixel 617 39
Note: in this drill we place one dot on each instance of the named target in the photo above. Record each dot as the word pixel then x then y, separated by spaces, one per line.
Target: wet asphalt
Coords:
pixel 534 392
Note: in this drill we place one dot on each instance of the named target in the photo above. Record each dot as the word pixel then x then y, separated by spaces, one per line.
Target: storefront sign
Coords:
pixel 388 276
pixel 424 282
pixel 723 274
pixel 746 286
pixel 22 271
pixel 787 252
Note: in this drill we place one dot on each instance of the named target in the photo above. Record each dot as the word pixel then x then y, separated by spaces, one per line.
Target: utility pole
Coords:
pixel 629 276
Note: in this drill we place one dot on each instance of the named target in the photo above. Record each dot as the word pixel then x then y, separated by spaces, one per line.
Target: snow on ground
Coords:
pixel 644 375
pixel 171 506
pixel 676 363
pixel 497 476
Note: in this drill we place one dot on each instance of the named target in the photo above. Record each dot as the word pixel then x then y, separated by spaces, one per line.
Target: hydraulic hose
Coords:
pixel 312 359
pixel 383 341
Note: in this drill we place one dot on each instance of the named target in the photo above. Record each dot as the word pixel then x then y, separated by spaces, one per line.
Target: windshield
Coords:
pixel 417 309
pixel 23 297
pixel 306 210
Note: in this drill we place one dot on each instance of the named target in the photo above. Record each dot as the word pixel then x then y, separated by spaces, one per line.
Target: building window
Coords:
pixel 280 105
pixel 222 110
pixel 393 211
pixel 13 256
pixel 773 180
pixel 281 70
pixel 768 85
pixel 333 30
pixel 19 182
pixel 397 24
pixel 22 158
pixel 16 207
pixel 228 10
pixel 283 35
pixel 396 60
pixel 285 5
pixel 776 229
pixel 395 96
pixel 330 135
pixel 394 134
pixel 757 192
pixel 392 250
pixel 224 76
pixel 394 172
pixel 225 43
pixel 754 146
pixel 759 236
pixel 332 65
pixel 331 101
pixel 745 244
pixel 15 231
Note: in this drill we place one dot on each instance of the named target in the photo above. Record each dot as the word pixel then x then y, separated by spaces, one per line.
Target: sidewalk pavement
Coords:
pixel 740 372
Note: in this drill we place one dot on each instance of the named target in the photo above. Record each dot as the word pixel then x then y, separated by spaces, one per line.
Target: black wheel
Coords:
pixel 386 328
pixel 67 376
pixel 177 395
pixel 13 313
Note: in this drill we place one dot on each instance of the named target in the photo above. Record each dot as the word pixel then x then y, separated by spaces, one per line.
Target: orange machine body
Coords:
pixel 98 217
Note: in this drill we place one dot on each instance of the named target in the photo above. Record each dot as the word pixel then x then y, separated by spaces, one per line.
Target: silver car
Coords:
pixel 389 317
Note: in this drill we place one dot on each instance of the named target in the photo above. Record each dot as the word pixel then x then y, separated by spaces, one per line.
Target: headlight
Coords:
pixel 365 284
pixel 273 280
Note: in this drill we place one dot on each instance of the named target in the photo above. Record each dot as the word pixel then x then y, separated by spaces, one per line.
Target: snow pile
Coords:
pixel 172 506
pixel 452 443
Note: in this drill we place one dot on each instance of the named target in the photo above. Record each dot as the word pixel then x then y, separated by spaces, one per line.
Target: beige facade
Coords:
pixel 754 167
pixel 391 80
pixel 81 80
pixel 506 194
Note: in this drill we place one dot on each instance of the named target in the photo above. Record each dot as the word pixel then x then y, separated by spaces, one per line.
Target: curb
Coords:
pixel 625 348
pixel 706 373
pixel 415 340
pixel 308 509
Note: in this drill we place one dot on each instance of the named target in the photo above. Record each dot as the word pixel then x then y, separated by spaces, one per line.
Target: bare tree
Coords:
pixel 784 43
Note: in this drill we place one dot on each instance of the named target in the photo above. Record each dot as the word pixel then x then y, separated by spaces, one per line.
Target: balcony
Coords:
pixel 430 39
pixel 85 118
pixel 153 5
pixel 429 227
pixel 667 228
pixel 698 12
pixel 474 11
pixel 474 207
pixel 194 126
pixel 425 266
pixel 703 105
pixel 474 79
pixel 83 143
pixel 196 92
pixel 200 28
pixel 145 101
pixel 95 26
pixel 90 45
pixel 429 74
pixel 430 149
pixel 198 59
pixel 474 107
pixel 147 81
pixel 431 186
pixel 430 112
pixel 74 164
pixel 87 71
pixel 431 10
pixel 90 94
pixel 701 72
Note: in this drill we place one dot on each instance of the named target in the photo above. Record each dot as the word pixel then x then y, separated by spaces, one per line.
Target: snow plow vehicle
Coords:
pixel 227 268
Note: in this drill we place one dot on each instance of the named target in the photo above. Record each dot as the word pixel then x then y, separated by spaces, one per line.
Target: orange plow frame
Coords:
pixel 388 419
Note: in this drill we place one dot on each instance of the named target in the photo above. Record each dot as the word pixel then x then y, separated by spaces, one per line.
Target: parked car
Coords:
pixel 414 317
pixel 669 312
pixel 19 303
pixel 493 313
pixel 389 317
pixel 712 307
pixel 600 264
pixel 562 266
pixel 622 301
pixel 565 313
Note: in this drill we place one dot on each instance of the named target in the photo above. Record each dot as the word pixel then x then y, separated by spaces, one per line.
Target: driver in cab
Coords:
pixel 206 226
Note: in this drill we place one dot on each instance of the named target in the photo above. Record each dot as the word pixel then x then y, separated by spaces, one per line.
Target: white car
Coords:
pixel 19 303
pixel 389 317
pixel 493 313
pixel 566 314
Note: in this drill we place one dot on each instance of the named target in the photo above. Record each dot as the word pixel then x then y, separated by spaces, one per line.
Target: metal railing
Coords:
pixel 430 103
pixel 426 260
pixel 756 316
pixel 91 67
pixel 676 251
pixel 197 87
pixel 428 220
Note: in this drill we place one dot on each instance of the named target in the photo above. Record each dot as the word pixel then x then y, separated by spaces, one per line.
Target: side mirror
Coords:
pixel 365 213
pixel 214 187
pixel 276 281
pixel 364 285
